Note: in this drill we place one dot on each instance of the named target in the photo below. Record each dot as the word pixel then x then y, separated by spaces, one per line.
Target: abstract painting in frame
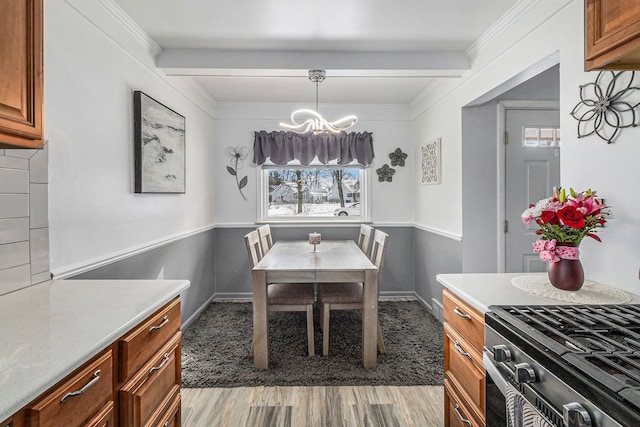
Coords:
pixel 159 154
pixel 430 162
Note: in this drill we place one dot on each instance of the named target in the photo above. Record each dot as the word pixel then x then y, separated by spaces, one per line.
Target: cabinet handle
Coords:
pixel 91 383
pixel 165 320
pixel 166 424
pixel 456 344
pixel 165 358
pixel 462 419
pixel 457 311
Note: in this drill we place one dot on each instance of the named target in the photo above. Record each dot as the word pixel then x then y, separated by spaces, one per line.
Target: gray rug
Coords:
pixel 215 349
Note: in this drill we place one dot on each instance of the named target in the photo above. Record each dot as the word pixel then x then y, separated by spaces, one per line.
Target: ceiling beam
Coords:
pixel 253 63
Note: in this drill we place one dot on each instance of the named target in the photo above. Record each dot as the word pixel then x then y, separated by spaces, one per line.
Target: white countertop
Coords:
pixel 50 329
pixel 484 289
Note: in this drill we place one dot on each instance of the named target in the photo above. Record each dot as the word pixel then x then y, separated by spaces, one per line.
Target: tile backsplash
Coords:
pixel 24 223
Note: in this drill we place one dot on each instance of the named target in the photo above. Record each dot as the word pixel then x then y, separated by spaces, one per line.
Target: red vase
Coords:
pixel 566 274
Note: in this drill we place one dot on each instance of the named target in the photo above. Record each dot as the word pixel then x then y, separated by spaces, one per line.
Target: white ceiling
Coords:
pixel 374 51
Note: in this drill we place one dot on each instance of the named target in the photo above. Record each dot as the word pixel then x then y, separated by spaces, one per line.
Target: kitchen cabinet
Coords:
pixel 85 398
pixel 21 71
pixel 612 35
pixel 134 381
pixel 150 368
pixel 463 370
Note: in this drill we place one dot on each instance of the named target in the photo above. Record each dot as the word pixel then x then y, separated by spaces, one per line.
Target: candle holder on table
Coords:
pixel 314 239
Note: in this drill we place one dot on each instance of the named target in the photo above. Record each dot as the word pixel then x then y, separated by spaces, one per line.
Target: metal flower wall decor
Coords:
pixel 607 105
pixel 385 173
pixel 238 155
pixel 397 157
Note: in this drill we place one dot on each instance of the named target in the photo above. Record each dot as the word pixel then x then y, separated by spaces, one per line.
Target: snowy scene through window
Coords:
pixel 332 192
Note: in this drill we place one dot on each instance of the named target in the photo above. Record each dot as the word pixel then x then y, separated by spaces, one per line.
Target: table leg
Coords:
pixel 260 321
pixel 370 319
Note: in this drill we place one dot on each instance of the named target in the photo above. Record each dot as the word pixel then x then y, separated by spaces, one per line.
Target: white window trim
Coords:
pixel 263 197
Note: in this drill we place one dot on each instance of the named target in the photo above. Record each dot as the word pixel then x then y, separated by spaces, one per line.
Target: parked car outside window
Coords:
pixel 350 210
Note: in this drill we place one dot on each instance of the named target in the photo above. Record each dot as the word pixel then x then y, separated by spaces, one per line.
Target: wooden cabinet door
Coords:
pixel 612 34
pixel 21 81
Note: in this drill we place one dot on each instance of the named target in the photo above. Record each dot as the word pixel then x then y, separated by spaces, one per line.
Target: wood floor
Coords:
pixel 362 406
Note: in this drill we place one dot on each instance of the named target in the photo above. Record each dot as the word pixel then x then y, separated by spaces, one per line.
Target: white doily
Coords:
pixel 590 293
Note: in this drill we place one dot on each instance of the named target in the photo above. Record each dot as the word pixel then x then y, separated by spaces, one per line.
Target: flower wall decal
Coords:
pixel 385 173
pixel 605 107
pixel 238 155
pixel 397 157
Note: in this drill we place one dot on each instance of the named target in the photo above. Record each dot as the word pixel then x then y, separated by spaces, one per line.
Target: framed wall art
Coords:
pixel 159 153
pixel 430 162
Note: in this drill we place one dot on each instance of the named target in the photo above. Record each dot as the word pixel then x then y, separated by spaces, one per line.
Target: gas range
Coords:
pixel 579 365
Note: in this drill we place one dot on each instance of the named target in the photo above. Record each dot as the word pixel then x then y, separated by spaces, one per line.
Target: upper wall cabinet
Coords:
pixel 21 80
pixel 612 35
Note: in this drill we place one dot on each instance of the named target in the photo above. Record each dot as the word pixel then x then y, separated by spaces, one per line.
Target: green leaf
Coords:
pixel 573 193
pixel 231 170
pixel 243 183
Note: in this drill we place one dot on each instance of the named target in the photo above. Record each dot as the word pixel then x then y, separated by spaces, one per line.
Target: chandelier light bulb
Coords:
pixel 305 120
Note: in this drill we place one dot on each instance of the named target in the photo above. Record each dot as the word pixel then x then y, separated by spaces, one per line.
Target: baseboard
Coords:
pixel 195 315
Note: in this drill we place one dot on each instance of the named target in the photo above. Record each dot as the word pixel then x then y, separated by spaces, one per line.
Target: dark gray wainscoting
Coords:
pixel 233 278
pixel 434 254
pixel 191 258
pixel 215 262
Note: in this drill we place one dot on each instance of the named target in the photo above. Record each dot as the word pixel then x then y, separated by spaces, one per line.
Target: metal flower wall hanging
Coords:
pixel 397 157
pixel 605 108
pixel 385 173
pixel 238 155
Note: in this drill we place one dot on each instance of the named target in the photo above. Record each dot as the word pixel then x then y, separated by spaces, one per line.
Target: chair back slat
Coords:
pixel 365 237
pixel 266 241
pixel 252 240
pixel 380 239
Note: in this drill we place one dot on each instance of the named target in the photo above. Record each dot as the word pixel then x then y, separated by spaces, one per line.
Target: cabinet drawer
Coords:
pixel 456 412
pixel 152 389
pixel 463 318
pixel 105 418
pixel 140 344
pixel 78 400
pixel 463 366
pixel 172 418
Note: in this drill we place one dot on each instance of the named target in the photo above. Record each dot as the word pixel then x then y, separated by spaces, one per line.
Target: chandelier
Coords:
pixel 305 120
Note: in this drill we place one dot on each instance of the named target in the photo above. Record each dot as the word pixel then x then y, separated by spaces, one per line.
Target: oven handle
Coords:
pixel 492 371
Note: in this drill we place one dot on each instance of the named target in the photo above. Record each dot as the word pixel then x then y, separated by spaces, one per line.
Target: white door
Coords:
pixel 532 170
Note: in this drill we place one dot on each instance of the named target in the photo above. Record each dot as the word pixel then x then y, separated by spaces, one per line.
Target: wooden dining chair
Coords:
pixel 284 296
pixel 365 237
pixel 266 241
pixel 349 296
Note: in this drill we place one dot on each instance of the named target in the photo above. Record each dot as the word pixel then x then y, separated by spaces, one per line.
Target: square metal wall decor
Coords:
pixel 159 154
pixel 430 162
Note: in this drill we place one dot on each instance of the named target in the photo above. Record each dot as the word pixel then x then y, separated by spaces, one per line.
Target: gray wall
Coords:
pixel 233 278
pixel 434 254
pixel 192 258
pixel 217 265
pixel 479 170
pixel 24 223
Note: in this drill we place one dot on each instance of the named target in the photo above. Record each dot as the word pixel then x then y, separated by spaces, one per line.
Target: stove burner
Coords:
pixel 587 344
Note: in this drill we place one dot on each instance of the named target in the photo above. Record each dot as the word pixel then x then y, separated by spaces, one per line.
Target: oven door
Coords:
pixel 510 405
pixel 495 394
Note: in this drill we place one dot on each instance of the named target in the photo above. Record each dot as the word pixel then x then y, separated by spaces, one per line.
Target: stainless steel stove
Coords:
pixel 575 365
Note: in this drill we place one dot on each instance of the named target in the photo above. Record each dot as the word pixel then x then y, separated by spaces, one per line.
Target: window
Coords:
pixel 541 137
pixel 314 193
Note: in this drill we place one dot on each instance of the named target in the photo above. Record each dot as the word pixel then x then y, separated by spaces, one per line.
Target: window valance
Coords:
pixel 282 147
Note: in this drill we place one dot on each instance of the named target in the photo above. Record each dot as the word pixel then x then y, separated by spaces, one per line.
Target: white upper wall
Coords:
pixel 236 123
pixel 90 75
pixel 546 28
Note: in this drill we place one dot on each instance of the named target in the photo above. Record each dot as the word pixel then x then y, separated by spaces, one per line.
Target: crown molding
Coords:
pixel 512 15
pixel 120 16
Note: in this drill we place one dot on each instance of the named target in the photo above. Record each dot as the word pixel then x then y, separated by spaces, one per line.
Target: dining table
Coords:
pixel 335 261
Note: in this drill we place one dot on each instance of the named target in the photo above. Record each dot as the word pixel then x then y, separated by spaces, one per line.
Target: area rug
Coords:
pixel 216 346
